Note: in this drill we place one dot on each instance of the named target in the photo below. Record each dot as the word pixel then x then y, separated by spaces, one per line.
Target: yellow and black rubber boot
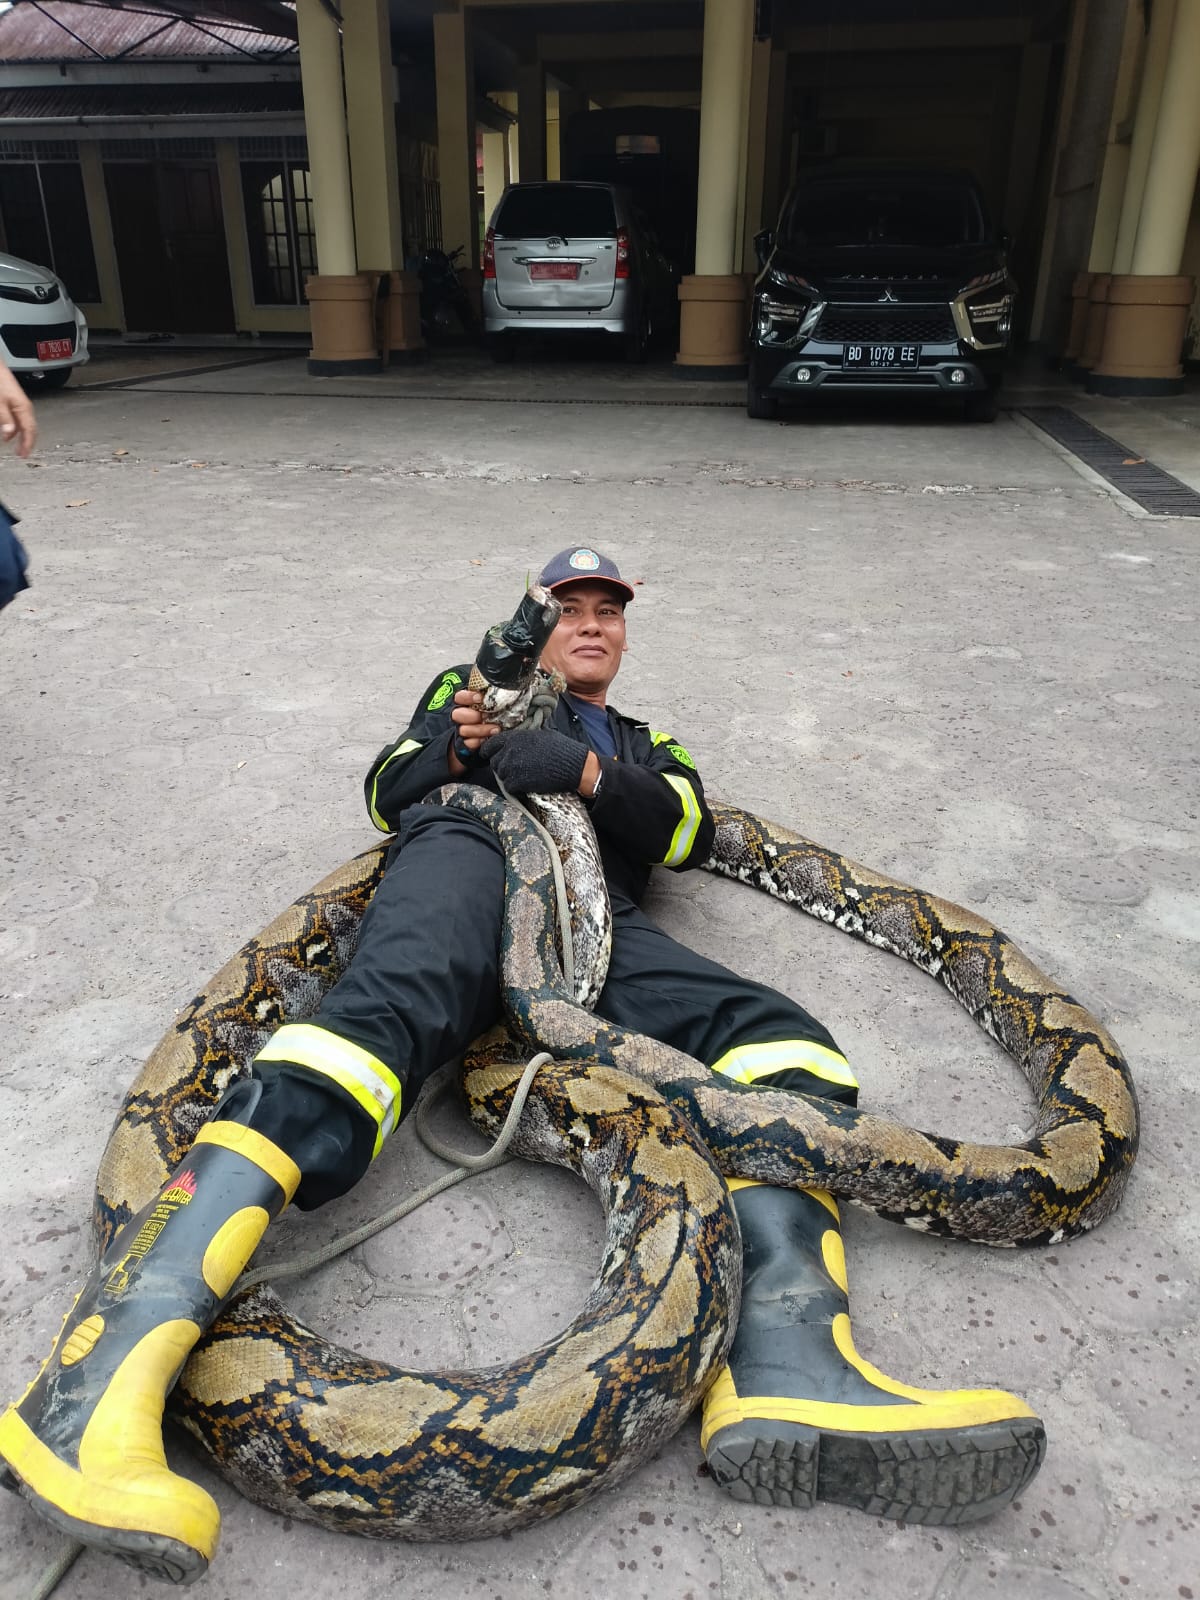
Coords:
pixel 799 1416
pixel 85 1444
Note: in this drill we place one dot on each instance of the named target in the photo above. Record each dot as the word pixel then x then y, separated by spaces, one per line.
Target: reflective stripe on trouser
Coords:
pixel 424 982
pixel 794 1064
pixel 371 1083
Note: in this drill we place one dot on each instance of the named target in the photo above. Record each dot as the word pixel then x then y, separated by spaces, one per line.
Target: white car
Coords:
pixel 43 333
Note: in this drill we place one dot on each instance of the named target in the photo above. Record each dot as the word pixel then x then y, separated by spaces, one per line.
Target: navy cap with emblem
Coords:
pixel 577 565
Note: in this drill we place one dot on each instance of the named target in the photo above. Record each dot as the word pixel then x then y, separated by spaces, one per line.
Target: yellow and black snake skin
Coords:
pixel 333 1437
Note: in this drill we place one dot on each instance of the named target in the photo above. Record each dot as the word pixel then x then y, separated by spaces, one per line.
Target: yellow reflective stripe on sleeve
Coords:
pixel 404 749
pixel 363 1076
pixel 746 1063
pixel 689 824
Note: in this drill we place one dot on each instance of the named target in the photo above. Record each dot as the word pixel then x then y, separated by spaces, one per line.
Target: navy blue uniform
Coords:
pixel 425 979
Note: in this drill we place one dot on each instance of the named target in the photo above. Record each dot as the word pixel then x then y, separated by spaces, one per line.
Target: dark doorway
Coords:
pixel 170 242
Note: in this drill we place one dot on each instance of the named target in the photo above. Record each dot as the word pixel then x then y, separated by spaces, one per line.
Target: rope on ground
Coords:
pixel 57 1571
pixel 465 1167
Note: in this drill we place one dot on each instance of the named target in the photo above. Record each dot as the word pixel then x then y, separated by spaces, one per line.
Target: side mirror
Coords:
pixel 764 243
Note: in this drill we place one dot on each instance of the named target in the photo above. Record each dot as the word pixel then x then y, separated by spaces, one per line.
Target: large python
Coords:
pixel 321 1433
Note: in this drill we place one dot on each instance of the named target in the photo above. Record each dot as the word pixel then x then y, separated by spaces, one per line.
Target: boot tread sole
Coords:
pixel 155 1554
pixel 935 1478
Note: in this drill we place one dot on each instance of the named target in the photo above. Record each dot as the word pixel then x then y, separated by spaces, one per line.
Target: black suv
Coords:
pixel 880 279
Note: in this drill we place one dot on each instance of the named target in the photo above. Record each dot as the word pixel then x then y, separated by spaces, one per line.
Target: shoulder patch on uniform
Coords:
pixel 681 756
pixel 450 682
pixel 657 738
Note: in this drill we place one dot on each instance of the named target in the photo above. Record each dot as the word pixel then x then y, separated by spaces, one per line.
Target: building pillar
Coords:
pixel 495 169
pixel 1081 285
pixel 1099 284
pixel 1154 67
pixel 1149 305
pixel 553 137
pixel 341 299
pixel 712 324
pixel 1045 290
pixel 454 72
pixel 375 174
pixel 531 120
pixel 508 101
pixel 570 104
pixel 109 311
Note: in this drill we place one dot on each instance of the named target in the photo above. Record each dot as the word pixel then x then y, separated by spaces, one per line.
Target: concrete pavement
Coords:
pixel 935 647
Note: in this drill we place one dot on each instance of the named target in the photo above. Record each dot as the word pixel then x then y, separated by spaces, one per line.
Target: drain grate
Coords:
pixel 1148 486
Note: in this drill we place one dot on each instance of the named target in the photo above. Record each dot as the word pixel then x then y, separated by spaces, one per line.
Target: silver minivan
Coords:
pixel 573 258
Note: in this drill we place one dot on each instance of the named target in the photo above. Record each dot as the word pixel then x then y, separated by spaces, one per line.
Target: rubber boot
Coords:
pixel 85 1444
pixel 799 1416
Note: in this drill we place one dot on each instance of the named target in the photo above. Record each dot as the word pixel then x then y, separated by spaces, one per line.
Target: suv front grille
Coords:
pixel 870 291
pixel 22 338
pixel 885 324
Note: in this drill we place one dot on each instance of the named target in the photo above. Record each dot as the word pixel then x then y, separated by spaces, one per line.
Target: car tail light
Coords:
pixel 489 254
pixel 624 254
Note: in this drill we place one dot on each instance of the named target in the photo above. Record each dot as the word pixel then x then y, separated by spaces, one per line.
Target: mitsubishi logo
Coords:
pixel 887 298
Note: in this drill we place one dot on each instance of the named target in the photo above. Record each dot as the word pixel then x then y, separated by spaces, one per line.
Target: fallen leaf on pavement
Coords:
pixel 120 452
pixel 74 504
pixel 1134 461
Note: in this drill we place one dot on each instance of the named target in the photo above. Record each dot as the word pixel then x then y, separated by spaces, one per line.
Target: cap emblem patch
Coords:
pixel 584 560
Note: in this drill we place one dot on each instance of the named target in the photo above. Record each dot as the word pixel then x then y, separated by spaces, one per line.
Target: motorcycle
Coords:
pixel 444 300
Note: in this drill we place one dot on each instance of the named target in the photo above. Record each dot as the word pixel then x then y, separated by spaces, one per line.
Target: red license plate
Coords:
pixel 558 270
pixel 54 349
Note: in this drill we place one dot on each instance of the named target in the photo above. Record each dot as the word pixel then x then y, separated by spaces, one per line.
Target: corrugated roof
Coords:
pixel 132 100
pixel 63 30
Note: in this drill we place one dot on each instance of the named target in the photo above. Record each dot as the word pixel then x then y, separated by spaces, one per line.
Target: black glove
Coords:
pixel 536 761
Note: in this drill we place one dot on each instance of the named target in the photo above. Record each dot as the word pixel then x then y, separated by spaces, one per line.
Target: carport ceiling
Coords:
pixel 604 48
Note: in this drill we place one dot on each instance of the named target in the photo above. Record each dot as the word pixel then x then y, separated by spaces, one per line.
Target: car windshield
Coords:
pixel 563 208
pixel 908 211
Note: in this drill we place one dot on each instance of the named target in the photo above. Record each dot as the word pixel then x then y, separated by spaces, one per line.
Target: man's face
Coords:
pixel 589 641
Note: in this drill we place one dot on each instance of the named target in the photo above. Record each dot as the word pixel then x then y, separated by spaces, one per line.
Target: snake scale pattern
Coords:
pixel 323 1434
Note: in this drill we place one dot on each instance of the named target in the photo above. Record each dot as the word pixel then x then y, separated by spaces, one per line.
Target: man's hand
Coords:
pixel 536 761
pixel 17 420
pixel 470 730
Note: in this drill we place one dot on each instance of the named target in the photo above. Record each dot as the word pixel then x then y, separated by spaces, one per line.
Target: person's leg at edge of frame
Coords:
pixel 84 1445
pixel 798 1415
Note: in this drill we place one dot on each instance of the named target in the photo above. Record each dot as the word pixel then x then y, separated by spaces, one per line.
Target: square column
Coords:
pixel 1149 304
pixel 341 299
pixel 454 75
pixel 371 123
pixel 375 173
pixel 712 322
pixel 495 169
pixel 531 120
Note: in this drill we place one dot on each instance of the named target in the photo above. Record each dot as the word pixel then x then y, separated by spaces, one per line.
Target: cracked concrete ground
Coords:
pixel 934 647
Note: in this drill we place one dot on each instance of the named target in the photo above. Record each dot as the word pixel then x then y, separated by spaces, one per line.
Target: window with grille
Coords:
pixel 44 217
pixel 279 226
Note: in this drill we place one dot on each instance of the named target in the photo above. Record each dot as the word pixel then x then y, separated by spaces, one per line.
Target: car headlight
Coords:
pixel 788 317
pixel 983 317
